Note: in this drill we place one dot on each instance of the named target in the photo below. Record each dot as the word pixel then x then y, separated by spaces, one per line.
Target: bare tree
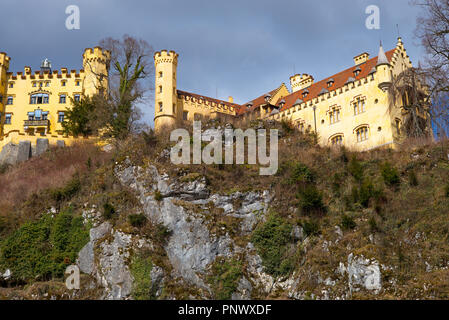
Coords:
pixel 408 89
pixel 128 84
pixel 433 32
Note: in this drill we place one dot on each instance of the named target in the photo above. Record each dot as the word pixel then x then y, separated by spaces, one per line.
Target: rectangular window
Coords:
pixel 47 84
pixel 1 98
pixel 38 114
pixel 62 99
pixel 8 118
pixel 63 83
pixel 77 97
pixel 160 89
pixel 77 83
pixel 160 74
pixel 11 85
pixel 185 115
pixel 160 106
pixel 359 106
pixel 10 100
pixel 61 116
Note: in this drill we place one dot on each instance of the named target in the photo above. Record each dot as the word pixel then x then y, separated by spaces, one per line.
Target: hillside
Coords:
pixel 331 224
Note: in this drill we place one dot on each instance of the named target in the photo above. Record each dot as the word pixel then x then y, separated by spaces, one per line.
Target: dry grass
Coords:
pixel 28 181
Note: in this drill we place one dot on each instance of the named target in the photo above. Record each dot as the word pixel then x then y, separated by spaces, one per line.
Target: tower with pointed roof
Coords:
pixel 383 69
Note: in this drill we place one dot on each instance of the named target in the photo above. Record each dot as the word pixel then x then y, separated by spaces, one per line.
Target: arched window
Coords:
pixel 39 98
pixel 362 133
pixel 337 140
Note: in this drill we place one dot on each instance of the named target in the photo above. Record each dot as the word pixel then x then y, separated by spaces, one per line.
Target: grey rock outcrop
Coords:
pixel 42 146
pixel 105 257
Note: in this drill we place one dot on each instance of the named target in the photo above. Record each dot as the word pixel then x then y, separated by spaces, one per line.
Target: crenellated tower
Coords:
pixel 4 66
pixel 96 63
pixel 166 109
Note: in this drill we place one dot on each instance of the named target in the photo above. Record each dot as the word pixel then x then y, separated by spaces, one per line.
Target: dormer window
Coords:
pixel 249 105
pixel 357 71
pixel 330 83
pixel 267 97
pixel 305 93
pixel 282 103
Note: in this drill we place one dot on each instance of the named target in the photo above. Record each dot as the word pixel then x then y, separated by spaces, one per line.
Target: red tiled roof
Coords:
pixel 255 103
pixel 339 81
pixel 209 99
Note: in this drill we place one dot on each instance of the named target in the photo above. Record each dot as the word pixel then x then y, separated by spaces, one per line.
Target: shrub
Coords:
pixel 312 200
pixel 366 193
pixel 158 195
pixel 301 173
pixel 224 277
pixel 41 250
pixel 347 222
pixel 390 175
pixel 137 220
pixel 373 224
pixel 271 240
pixel 68 191
pixel 287 126
pixel 311 228
pixel 108 211
pixel 356 169
pixel 336 183
pixel 412 178
pixel 140 268
pixel 4 167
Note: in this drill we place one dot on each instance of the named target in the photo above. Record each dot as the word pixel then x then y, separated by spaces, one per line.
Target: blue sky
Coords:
pixel 240 48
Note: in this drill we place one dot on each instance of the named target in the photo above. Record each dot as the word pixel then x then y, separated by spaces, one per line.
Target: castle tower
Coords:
pixel 4 66
pixel 383 68
pixel 299 82
pixel 165 107
pixel 96 63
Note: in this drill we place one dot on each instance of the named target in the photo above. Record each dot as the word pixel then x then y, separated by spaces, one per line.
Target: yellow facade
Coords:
pixel 32 103
pixel 356 113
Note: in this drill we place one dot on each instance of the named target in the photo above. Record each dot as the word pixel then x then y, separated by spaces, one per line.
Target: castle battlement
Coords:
pixel 4 60
pixel 46 75
pixel 165 56
pixel 97 54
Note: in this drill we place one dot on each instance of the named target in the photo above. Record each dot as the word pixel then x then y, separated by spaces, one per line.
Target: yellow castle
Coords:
pixel 33 104
pixel 351 108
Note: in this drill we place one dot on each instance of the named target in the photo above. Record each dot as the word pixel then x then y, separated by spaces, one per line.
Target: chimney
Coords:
pixel 361 58
pixel 299 82
pixel 231 99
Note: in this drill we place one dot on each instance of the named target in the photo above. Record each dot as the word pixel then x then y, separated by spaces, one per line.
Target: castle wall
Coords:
pixel 376 115
pixel 23 85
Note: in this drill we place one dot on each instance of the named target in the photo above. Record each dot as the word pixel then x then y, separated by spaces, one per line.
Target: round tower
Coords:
pixel 4 67
pixel 383 70
pixel 96 69
pixel 165 107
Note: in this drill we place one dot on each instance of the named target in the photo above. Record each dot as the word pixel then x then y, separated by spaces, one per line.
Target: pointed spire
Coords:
pixel 381 57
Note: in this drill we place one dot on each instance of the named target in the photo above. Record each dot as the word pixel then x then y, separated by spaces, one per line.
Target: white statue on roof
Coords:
pixel 46 63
